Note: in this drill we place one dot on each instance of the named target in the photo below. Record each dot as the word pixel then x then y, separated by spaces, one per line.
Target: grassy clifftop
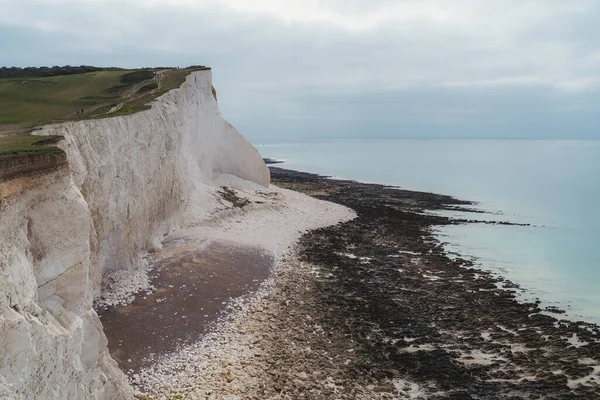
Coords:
pixel 29 143
pixel 28 100
pixel 31 101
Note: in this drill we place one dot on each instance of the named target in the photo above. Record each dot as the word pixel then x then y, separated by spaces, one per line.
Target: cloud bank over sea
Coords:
pixel 286 69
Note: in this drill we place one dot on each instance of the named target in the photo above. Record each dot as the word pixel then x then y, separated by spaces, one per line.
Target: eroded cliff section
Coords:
pixel 128 182
pixel 52 341
pixel 26 164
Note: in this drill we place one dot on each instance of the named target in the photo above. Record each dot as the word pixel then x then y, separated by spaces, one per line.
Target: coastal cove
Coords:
pixel 543 187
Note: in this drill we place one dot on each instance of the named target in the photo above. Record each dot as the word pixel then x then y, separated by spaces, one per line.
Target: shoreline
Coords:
pixel 472 213
pixel 554 300
pixel 373 308
pixel 479 326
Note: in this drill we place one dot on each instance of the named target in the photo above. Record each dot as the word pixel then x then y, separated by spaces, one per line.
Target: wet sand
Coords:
pixel 192 285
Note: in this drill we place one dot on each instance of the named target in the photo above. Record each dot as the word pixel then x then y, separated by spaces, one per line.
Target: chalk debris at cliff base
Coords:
pixel 246 231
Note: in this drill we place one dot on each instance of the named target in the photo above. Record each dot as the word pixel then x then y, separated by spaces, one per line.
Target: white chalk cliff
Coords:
pixel 129 182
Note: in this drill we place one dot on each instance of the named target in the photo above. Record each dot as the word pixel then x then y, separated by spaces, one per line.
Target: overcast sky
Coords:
pixel 287 69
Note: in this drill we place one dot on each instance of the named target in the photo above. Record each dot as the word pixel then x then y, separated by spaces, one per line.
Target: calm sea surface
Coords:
pixel 551 184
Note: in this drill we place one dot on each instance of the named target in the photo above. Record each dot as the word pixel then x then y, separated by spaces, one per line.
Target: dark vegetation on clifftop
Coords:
pixel 29 72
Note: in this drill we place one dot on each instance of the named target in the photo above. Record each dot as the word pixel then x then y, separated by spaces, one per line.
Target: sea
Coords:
pixel 554 185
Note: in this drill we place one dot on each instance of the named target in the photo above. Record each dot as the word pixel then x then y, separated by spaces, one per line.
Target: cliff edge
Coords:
pixel 129 181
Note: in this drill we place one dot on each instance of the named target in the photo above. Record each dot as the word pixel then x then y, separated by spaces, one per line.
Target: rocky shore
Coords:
pixel 373 308
pixel 416 315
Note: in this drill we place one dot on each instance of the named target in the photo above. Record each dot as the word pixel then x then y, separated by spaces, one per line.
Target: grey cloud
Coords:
pixel 505 67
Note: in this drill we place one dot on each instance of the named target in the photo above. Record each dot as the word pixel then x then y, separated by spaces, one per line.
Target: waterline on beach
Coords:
pixel 544 183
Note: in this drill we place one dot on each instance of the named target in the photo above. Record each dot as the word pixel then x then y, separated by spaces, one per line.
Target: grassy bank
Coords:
pixel 30 101
pixel 28 143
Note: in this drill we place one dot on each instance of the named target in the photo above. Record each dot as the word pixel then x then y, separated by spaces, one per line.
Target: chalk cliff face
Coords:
pixel 128 182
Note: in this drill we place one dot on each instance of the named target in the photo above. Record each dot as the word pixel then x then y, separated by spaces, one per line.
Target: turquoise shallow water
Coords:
pixel 552 184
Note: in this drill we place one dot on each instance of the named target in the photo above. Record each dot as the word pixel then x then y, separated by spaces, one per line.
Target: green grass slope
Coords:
pixel 28 143
pixel 30 101
pixel 27 102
